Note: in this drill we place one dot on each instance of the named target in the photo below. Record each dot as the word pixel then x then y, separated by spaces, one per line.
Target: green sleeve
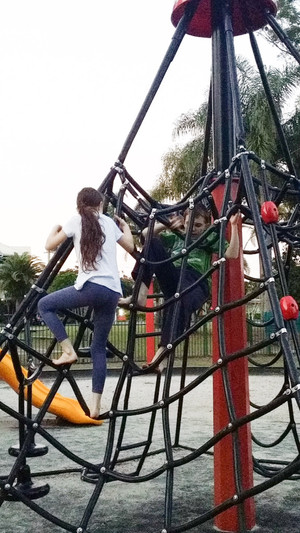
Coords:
pixel 168 238
pixel 212 243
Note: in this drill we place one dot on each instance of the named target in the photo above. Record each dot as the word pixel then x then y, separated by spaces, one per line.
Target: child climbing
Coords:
pixel 97 285
pixel 166 244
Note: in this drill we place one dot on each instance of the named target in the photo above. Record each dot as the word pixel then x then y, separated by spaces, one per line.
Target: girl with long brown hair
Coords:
pixel 97 285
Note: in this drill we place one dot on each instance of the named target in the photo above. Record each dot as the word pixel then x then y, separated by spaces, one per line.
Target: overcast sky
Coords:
pixel 74 74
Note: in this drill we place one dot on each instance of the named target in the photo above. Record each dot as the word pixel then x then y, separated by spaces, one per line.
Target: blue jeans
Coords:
pixel 103 301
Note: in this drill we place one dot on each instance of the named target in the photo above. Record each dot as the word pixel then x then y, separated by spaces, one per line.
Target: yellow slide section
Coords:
pixel 66 408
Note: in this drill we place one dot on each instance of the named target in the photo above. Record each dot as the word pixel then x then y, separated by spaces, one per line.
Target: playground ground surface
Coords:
pixel 139 507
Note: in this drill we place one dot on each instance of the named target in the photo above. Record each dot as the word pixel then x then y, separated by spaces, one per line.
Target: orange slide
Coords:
pixel 66 408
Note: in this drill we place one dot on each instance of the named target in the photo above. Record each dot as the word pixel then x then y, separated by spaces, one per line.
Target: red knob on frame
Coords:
pixel 289 308
pixel 269 212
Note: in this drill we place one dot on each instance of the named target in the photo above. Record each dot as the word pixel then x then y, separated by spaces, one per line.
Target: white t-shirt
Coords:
pixel 106 267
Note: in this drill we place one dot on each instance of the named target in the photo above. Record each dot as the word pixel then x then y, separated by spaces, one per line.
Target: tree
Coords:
pixel 182 164
pixel 17 274
pixel 289 17
pixel 259 126
pixel 292 131
pixel 294 275
pixel 64 279
pixel 127 285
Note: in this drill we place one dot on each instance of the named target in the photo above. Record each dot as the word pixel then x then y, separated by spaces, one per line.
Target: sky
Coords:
pixel 74 74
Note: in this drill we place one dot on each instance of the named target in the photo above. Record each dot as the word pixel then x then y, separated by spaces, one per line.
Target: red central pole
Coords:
pixel 235 340
pixel 150 342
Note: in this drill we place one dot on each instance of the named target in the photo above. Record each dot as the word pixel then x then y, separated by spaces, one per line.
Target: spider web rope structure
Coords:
pixel 175 453
pixel 162 449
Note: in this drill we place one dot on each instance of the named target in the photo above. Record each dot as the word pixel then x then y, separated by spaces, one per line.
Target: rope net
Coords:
pixel 150 442
pixel 162 449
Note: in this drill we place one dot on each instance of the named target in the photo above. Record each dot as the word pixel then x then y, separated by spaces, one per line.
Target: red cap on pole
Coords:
pixel 242 22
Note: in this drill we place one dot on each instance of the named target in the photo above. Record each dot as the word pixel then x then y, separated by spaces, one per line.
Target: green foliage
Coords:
pixel 3 311
pixel 292 273
pixel 64 279
pixel 127 286
pixel 182 164
pixel 261 134
pixel 289 18
pixel 180 170
pixel 294 281
pixel 17 274
pixel 292 131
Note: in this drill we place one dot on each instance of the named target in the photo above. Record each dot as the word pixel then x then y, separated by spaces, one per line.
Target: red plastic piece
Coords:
pixel 201 25
pixel 269 212
pixel 289 308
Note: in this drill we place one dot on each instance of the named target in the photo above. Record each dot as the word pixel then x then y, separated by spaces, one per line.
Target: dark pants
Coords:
pixel 168 278
pixel 103 301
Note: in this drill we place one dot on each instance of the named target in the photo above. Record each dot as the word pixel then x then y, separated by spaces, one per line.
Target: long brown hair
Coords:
pixel 92 236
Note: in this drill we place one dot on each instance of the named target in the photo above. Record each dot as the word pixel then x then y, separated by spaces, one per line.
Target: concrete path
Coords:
pixel 139 507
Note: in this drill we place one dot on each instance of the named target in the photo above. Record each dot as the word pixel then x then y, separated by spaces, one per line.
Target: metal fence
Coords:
pixel 39 337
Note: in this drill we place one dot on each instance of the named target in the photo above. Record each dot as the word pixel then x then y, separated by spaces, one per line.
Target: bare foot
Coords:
pixel 94 414
pixel 125 301
pixel 141 301
pixel 162 365
pixel 95 405
pixel 155 369
pixel 65 359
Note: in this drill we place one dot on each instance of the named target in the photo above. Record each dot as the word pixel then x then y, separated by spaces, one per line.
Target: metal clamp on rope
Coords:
pixel 219 261
pixel 153 213
pixel 227 174
pixel 237 156
pixel 118 167
pixel 37 288
pixel 263 164
pixel 292 390
pixel 7 334
pixel 124 184
pixel 219 220
pixel 267 282
pixel 191 203
pixel 280 332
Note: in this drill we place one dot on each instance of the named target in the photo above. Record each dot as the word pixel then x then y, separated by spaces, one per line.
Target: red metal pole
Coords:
pixel 235 339
pixel 150 342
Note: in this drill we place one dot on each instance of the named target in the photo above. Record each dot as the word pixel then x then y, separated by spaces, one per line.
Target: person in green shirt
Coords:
pixel 167 244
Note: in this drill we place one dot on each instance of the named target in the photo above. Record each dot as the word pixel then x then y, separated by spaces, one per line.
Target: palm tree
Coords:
pixel 292 132
pixel 259 126
pixel 17 274
pixel 289 17
pixel 182 164
pixel 64 279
